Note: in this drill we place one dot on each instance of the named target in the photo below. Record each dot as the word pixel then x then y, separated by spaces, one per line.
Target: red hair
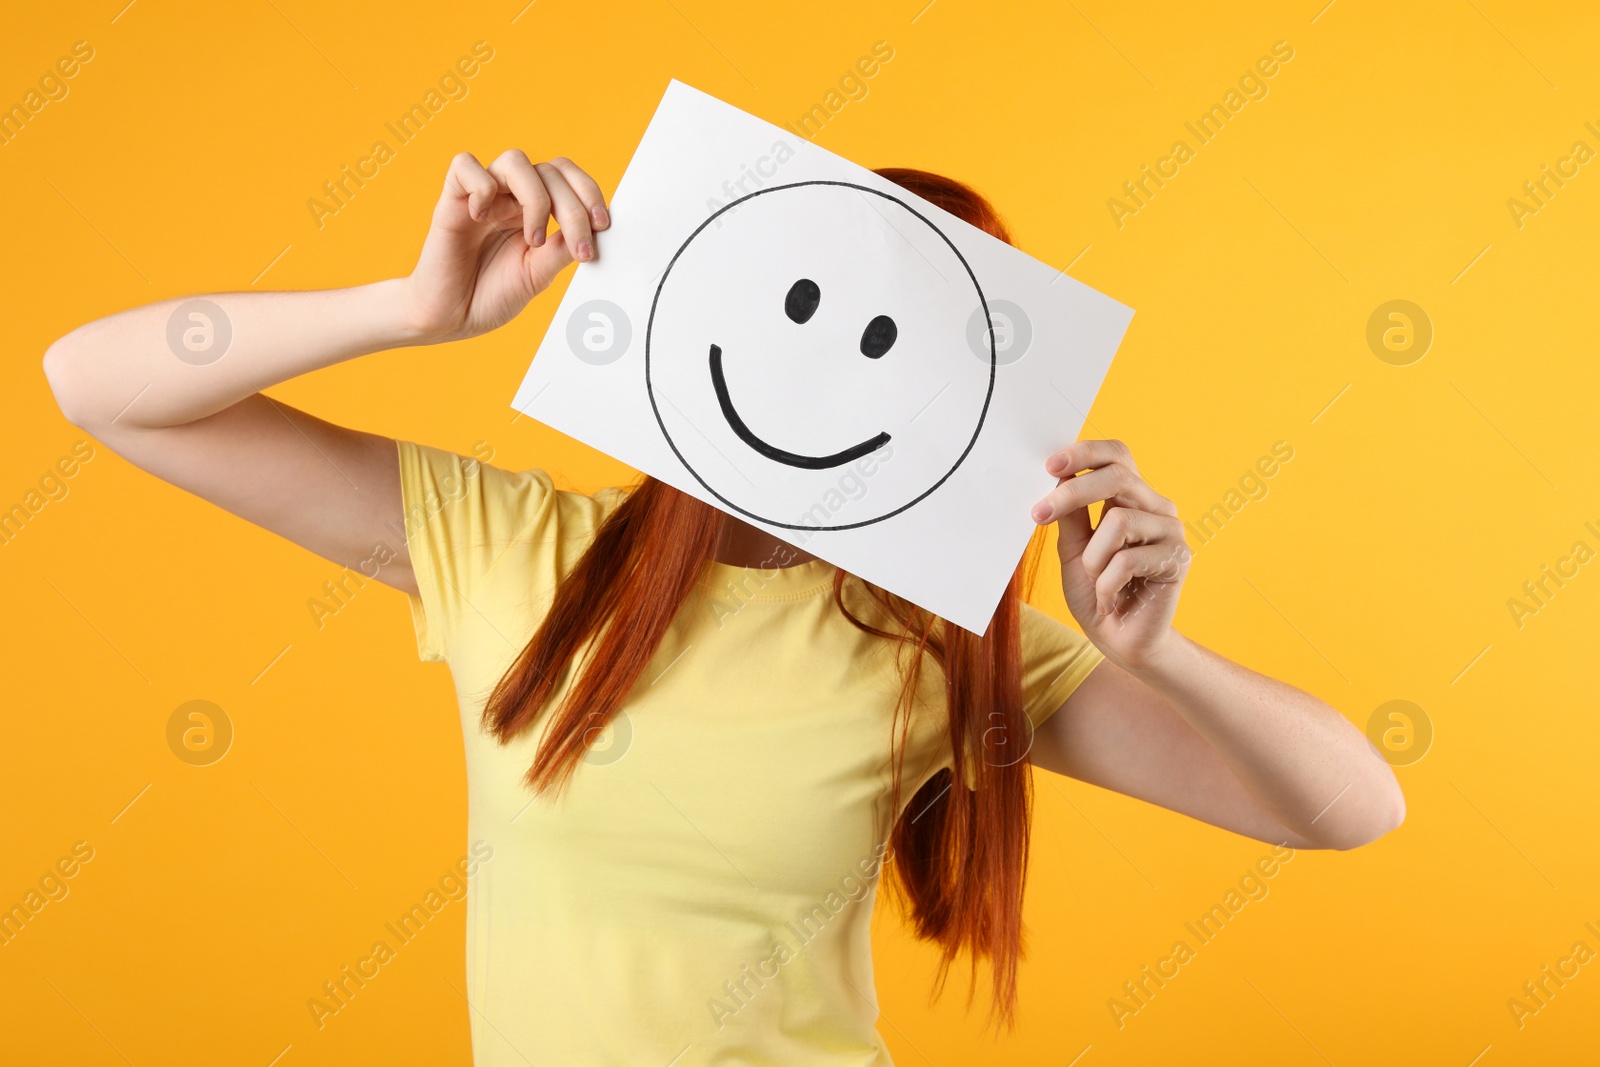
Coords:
pixel 960 855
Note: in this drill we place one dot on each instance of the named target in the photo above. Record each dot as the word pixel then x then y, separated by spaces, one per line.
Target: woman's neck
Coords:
pixel 744 545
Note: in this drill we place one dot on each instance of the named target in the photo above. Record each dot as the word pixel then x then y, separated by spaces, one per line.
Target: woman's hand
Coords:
pixel 1173 722
pixel 1121 578
pixel 488 252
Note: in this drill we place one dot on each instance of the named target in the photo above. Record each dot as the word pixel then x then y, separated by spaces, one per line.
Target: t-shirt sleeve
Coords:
pixel 463 518
pixel 1055 661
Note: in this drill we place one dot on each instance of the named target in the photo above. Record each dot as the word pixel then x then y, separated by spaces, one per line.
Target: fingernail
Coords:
pixel 1055 465
pixel 1041 512
pixel 585 250
pixel 600 217
pixel 538 237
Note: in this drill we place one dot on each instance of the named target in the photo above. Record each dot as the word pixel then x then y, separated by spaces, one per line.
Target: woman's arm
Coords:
pixel 197 418
pixel 1168 721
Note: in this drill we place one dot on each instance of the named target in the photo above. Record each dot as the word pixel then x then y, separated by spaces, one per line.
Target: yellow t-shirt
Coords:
pixel 702 891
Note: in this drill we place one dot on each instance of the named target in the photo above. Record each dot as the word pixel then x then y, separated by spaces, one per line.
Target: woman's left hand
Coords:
pixel 1121 578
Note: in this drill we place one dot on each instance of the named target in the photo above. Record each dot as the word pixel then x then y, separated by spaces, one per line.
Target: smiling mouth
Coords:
pixel 793 459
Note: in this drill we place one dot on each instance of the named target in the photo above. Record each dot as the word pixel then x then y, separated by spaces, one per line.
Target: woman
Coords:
pixel 691 747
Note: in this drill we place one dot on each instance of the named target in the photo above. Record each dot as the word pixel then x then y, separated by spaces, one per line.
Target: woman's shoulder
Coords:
pixel 472 488
pixel 479 532
pixel 468 515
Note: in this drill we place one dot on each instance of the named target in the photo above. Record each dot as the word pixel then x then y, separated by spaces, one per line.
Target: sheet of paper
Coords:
pixel 803 344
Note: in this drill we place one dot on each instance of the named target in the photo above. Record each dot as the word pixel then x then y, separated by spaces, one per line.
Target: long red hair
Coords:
pixel 960 855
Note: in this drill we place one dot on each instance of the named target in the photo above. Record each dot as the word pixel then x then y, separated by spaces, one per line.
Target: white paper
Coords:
pixel 732 340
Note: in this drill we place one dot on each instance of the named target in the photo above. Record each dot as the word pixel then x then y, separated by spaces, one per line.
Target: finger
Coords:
pixel 1078 491
pixel 587 189
pixel 1087 455
pixel 469 183
pixel 549 260
pixel 569 212
pixel 1125 527
pixel 515 169
pixel 1153 563
pixel 1073 533
pixel 1117 484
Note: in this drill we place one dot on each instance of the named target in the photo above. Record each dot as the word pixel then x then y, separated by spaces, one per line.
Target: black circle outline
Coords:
pixel 650 328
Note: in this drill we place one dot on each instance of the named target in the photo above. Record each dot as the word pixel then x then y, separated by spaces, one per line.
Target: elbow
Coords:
pixel 63 372
pixel 1395 814
pixel 1398 812
pixel 1385 819
pixel 1393 808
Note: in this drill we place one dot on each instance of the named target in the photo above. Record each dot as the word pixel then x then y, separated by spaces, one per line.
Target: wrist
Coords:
pixel 1166 663
pixel 396 314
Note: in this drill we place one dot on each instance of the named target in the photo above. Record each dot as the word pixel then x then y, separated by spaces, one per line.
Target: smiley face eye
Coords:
pixel 802 301
pixel 878 337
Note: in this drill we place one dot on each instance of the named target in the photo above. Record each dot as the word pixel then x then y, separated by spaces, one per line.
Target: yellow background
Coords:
pixel 1377 568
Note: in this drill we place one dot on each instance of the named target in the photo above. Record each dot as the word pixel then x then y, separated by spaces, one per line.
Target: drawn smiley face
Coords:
pixel 807 356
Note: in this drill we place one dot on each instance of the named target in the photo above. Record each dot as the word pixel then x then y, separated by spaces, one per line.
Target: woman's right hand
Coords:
pixel 199 419
pixel 478 267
